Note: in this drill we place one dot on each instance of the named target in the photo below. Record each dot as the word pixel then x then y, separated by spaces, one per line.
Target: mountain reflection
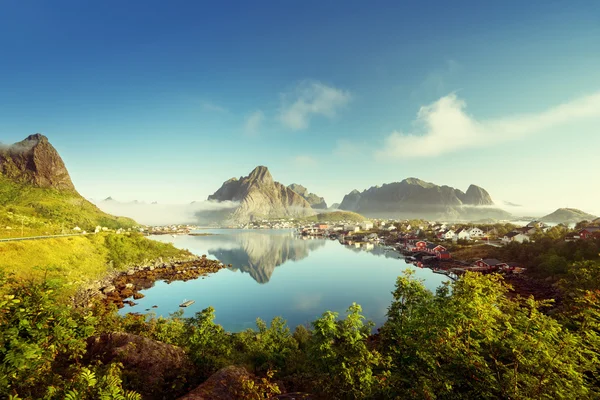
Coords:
pixel 259 253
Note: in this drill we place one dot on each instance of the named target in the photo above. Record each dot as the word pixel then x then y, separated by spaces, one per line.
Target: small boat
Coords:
pixel 187 303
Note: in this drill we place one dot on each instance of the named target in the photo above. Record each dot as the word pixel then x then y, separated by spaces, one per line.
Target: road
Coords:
pixel 41 237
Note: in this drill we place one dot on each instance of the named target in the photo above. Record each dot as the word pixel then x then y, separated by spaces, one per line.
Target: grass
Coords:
pixel 73 261
pixel 336 216
pixel 39 211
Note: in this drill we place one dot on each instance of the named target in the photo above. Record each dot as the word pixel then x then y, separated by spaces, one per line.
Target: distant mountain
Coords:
pixel 259 196
pixel 36 185
pixel 511 204
pixel 316 202
pixel 567 216
pixel 334 206
pixel 414 198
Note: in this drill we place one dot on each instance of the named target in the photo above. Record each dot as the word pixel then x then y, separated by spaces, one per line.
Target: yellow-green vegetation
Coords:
pixel 70 261
pixel 336 216
pixel 29 211
pixel 468 340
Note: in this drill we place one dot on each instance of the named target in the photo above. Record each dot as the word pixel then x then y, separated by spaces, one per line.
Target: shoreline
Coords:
pixel 117 286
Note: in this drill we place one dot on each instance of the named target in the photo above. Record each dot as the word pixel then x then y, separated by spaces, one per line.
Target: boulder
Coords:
pixel 225 384
pixel 155 370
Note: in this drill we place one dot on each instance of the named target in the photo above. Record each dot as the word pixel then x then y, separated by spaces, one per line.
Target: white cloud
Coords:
pixel 253 123
pixel 211 107
pixel 445 127
pixel 306 161
pixel 309 99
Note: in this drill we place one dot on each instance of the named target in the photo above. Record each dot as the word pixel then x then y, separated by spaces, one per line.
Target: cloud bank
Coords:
pixel 165 214
pixel 308 100
pixel 445 127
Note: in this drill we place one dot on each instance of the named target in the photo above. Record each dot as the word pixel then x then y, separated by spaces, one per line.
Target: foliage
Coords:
pixel 477 343
pixel 49 211
pixel 343 364
pixel 41 346
pixel 257 389
pixel 72 261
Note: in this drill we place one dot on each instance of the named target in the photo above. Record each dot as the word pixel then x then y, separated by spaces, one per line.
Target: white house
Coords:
pixel 371 237
pixel 391 227
pixel 476 232
pixel 515 237
pixel 366 225
pixel 448 235
pixel 461 234
pixel 351 228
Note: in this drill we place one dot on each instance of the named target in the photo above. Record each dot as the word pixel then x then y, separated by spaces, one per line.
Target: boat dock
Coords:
pixel 187 303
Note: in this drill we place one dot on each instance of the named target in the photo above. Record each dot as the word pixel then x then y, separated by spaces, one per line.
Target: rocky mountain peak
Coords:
pixel 35 161
pixel 259 196
pixel 477 196
pixel 314 200
pixel 261 174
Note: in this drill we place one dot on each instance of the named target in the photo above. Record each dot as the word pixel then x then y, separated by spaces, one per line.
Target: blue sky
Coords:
pixel 163 102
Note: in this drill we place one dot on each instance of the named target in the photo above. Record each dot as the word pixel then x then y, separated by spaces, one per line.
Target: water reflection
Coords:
pixel 257 254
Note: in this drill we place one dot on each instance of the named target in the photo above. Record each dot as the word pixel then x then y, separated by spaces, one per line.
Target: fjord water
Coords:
pixel 276 273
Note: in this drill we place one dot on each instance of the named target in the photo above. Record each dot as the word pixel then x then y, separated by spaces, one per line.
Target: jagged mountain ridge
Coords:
pixel 35 161
pixel 260 196
pixel 415 198
pixel 314 200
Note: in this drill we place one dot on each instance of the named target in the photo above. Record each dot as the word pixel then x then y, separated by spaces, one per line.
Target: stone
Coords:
pixel 151 368
pixel 225 384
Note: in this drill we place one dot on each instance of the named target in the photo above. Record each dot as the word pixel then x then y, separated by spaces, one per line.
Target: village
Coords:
pixel 426 244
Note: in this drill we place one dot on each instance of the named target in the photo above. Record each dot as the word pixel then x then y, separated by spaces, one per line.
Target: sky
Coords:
pixel 163 101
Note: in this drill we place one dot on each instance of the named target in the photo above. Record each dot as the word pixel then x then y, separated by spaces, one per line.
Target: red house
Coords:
pixel 488 263
pixel 421 245
pixel 444 255
pixel 589 232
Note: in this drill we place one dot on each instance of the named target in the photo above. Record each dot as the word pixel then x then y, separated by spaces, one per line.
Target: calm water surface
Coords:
pixel 275 273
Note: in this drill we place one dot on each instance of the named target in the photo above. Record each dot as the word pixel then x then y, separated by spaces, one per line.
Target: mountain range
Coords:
pixel 414 198
pixel 260 197
pixel 567 216
pixel 35 183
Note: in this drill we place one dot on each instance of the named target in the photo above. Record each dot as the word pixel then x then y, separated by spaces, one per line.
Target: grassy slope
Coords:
pixel 47 211
pixel 336 216
pixel 72 261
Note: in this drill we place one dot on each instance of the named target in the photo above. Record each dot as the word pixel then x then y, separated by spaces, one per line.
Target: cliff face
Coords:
pixel 414 198
pixel 316 202
pixel 477 196
pixel 35 161
pixel 261 197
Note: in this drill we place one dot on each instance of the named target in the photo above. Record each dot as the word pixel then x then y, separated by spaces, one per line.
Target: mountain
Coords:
pixel 334 206
pixel 38 196
pixel 258 196
pixel 477 196
pixel 567 216
pixel 316 202
pixel 414 198
pixel 35 161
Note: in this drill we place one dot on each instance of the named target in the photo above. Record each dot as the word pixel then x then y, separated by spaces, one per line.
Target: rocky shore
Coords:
pixel 118 286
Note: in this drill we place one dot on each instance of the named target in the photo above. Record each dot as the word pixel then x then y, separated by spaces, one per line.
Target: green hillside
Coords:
pixel 336 216
pixel 35 210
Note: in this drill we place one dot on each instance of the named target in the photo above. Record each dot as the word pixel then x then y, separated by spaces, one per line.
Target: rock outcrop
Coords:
pixel 259 196
pixel 225 384
pixel 414 198
pixel 568 216
pixel 316 202
pixel 35 161
pixel 149 367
